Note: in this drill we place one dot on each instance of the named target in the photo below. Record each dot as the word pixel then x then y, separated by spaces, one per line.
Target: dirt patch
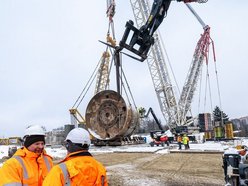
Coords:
pixel 174 169
pixel 132 169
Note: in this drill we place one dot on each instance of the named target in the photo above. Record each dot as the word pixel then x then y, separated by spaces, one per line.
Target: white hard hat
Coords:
pixel 79 135
pixel 34 130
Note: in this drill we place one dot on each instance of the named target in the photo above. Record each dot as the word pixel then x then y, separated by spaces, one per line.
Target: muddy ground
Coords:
pixel 147 169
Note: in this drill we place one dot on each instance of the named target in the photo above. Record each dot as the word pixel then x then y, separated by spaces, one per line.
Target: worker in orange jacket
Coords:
pixel 30 164
pixel 78 167
pixel 179 141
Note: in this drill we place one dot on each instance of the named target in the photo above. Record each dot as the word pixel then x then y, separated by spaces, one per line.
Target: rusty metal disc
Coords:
pixel 108 116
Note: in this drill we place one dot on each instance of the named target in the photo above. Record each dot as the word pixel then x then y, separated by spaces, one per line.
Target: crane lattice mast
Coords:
pixel 174 114
pixel 102 82
pixel 200 54
pixel 103 73
pixel 157 67
pixel 194 73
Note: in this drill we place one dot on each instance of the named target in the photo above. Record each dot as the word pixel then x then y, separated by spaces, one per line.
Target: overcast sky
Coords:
pixel 49 49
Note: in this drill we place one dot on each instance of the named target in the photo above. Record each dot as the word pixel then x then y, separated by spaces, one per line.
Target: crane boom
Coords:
pixel 196 15
pixel 157 67
pixel 142 38
pixel 193 75
pixel 200 54
pixel 147 22
pixel 103 73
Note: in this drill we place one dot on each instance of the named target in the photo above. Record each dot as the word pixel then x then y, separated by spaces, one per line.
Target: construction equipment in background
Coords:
pixel 215 130
pixel 11 151
pixel 102 81
pixel 157 67
pixel 108 118
pixel 174 112
pixel 142 38
pixel 11 141
pixel 159 137
pixel 235 166
pixel 76 118
pixel 150 110
pixel 102 84
pixel 101 71
pixel 4 141
pixel 201 53
pixel 14 143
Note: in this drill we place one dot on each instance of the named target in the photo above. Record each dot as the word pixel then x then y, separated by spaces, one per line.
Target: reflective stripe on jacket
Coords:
pixel 78 168
pixel 25 168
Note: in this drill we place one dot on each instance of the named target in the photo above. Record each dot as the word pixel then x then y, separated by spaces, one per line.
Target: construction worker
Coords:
pixel 78 167
pixel 186 141
pixel 179 141
pixel 30 164
pixel 243 154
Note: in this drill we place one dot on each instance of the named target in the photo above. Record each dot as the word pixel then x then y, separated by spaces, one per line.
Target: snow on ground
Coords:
pixel 3 151
pixel 60 152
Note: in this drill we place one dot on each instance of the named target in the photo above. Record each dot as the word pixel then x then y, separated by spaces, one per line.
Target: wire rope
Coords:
pixel 130 92
pixel 87 84
pixel 200 89
pixel 169 62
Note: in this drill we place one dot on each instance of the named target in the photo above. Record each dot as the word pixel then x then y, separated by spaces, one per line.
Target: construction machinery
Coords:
pixel 150 110
pixel 108 117
pixel 174 112
pixel 11 151
pixel 235 165
pixel 142 37
pixel 14 143
pixel 159 137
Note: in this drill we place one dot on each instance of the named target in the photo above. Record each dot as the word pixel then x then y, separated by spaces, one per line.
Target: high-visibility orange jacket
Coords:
pixel 179 139
pixel 78 168
pixel 25 168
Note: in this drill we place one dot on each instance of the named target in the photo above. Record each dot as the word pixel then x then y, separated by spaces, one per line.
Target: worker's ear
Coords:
pixel 73 147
